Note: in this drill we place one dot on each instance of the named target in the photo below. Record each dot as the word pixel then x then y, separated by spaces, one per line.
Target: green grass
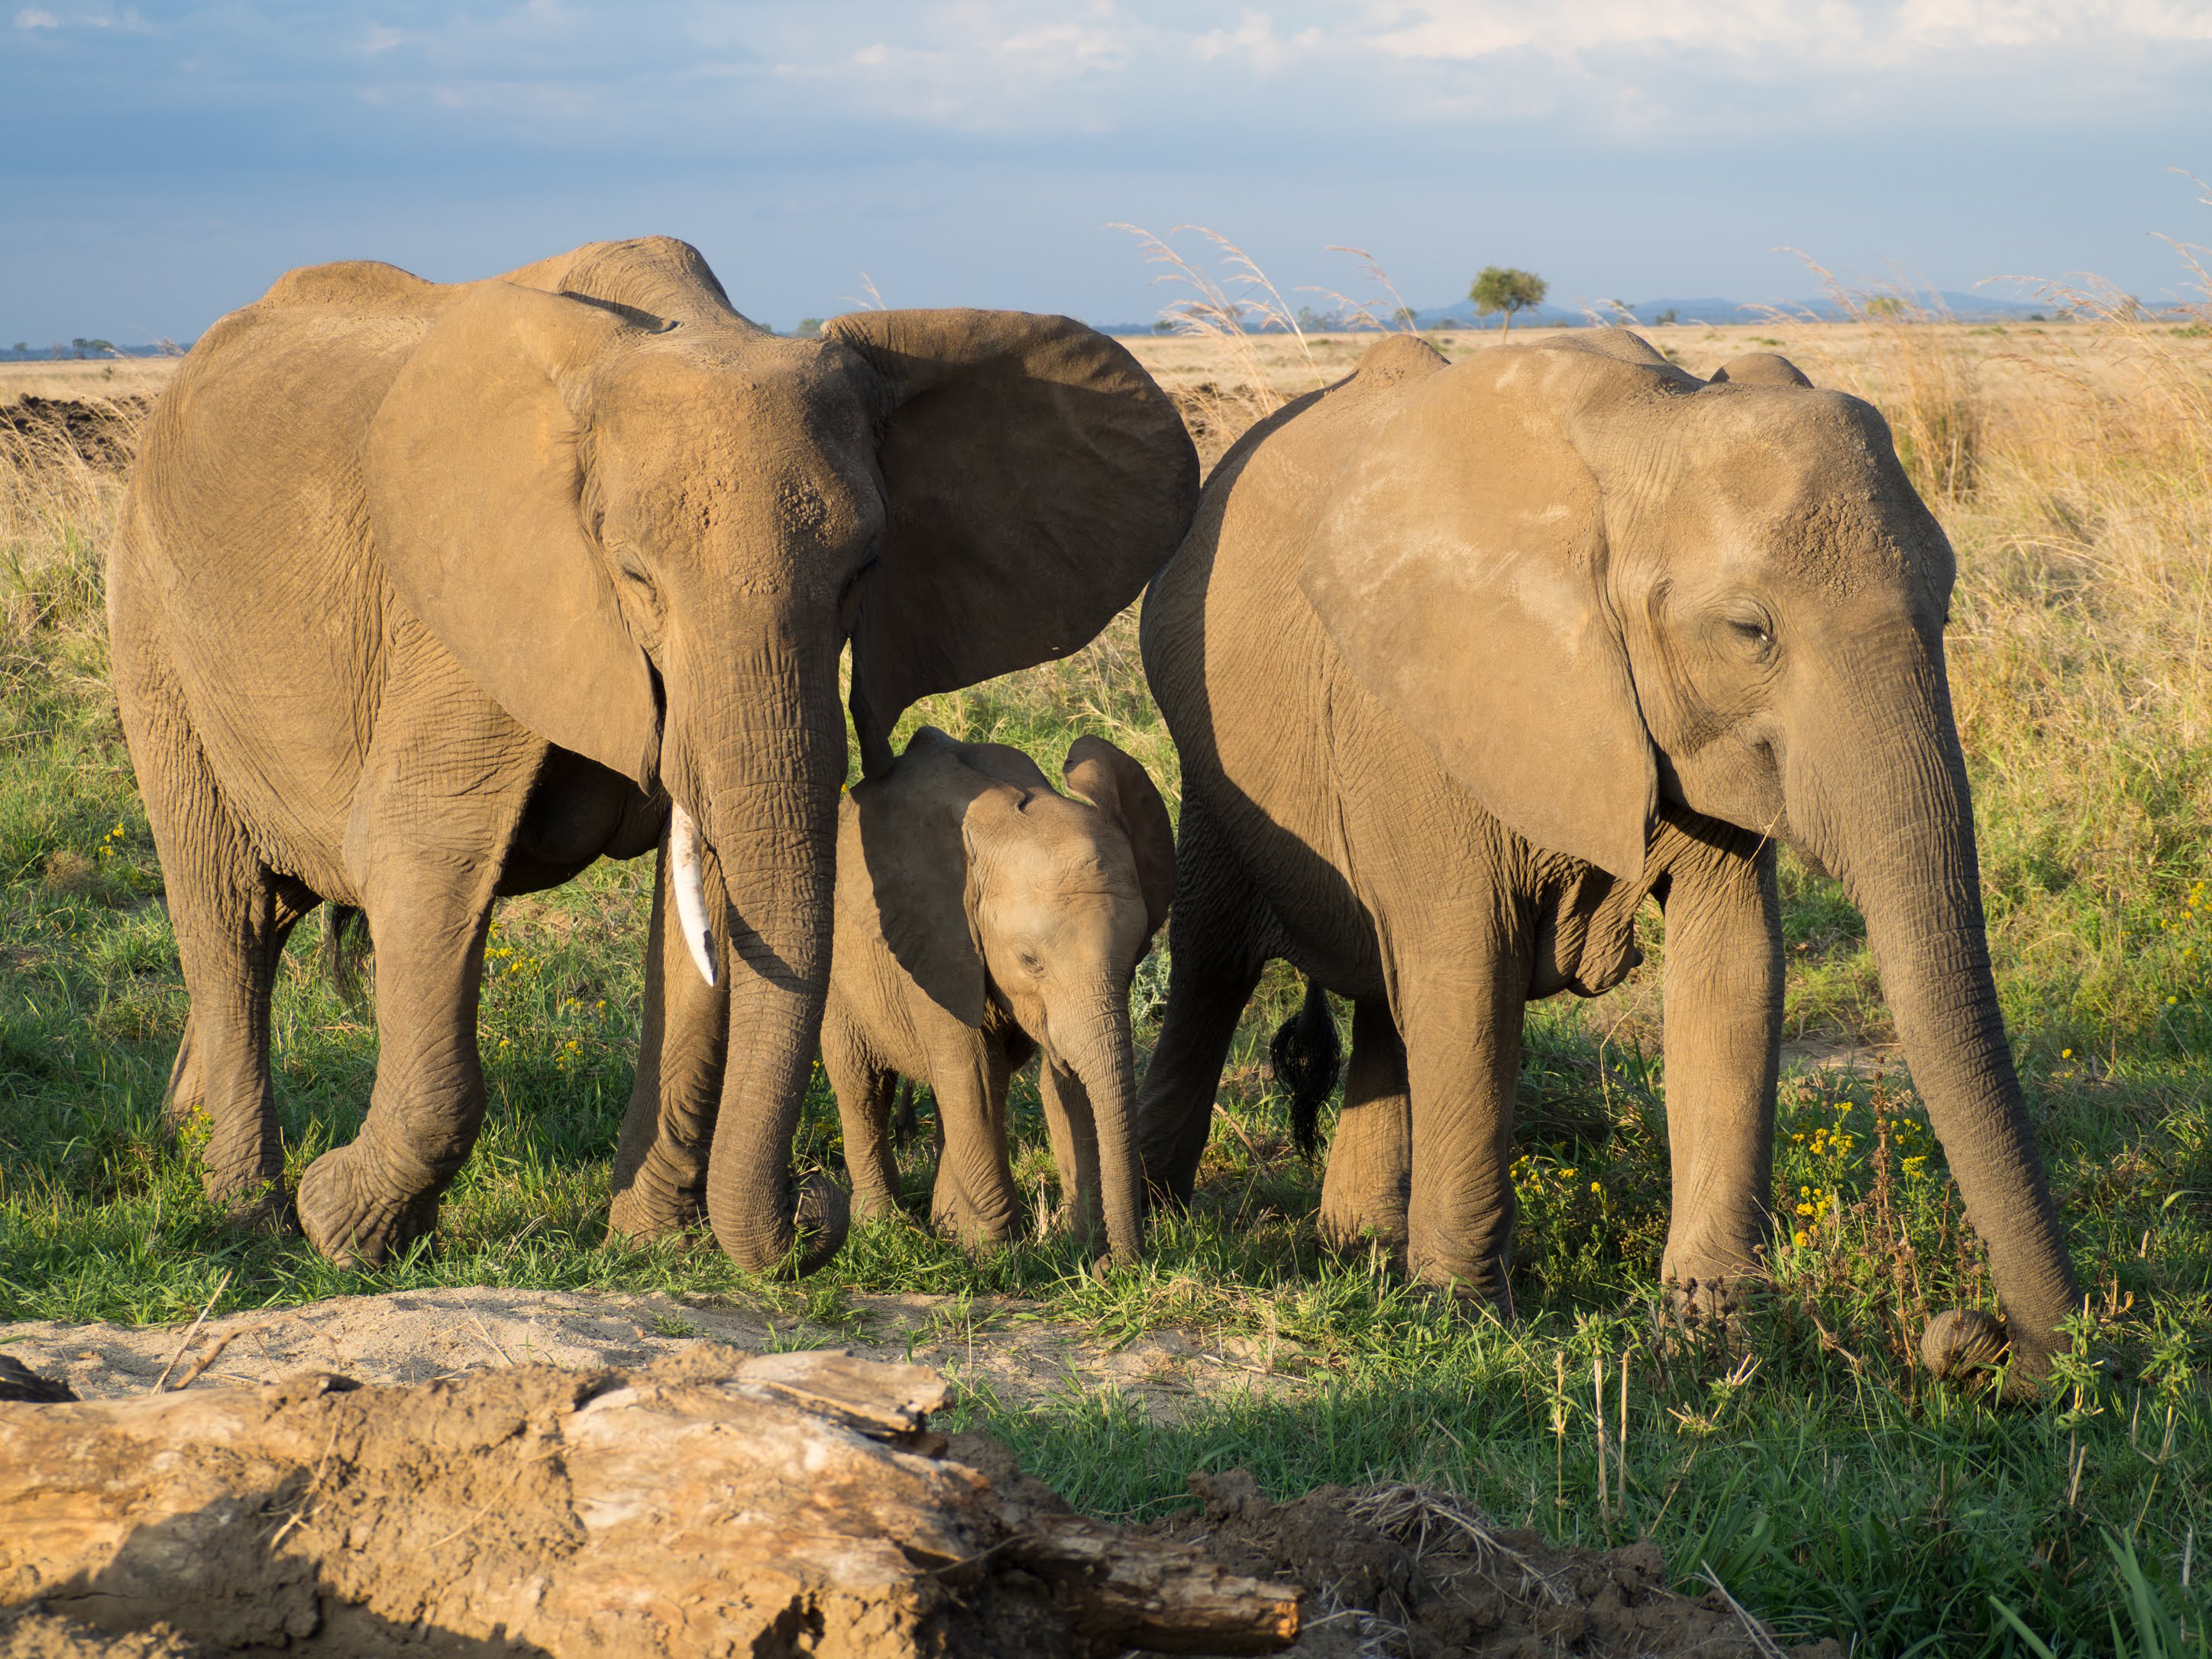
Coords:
pixel 1833 1485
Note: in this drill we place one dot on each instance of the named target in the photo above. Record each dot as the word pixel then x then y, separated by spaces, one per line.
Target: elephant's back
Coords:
pixel 246 562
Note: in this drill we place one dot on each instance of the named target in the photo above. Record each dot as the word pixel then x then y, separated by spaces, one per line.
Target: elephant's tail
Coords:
pixel 904 1124
pixel 1304 1055
pixel 345 946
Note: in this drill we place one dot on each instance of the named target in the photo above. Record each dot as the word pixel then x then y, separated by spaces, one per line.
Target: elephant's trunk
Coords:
pixel 1890 813
pixel 769 749
pixel 1097 1049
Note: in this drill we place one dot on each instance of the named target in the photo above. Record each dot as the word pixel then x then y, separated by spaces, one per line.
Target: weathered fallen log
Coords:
pixel 717 1502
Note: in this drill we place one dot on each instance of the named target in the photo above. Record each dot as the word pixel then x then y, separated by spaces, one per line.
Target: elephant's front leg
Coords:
pixel 661 1161
pixel 1461 1015
pixel 1723 1032
pixel 360 1203
pixel 974 1199
pixel 435 812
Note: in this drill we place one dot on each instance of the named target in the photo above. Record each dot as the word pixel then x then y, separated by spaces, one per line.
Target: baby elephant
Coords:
pixel 982 917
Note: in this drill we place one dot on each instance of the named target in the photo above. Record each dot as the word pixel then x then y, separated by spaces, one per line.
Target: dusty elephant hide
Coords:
pixel 1392 1570
pixel 713 1503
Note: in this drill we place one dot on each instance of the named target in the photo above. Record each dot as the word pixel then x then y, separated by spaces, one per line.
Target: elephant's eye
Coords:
pixel 1755 632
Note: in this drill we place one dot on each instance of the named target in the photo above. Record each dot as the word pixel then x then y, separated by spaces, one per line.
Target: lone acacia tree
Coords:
pixel 1501 288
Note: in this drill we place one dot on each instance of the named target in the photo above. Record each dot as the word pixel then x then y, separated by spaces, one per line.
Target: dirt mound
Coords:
pixel 1397 1571
pixel 1007 1344
pixel 104 432
pixel 715 1502
pixel 26 1634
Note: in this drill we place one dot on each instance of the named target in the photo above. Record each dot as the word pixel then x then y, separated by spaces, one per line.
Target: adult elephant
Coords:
pixel 1465 662
pixel 427 593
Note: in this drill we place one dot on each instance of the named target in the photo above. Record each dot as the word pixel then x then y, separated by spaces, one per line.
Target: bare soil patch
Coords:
pixel 1014 1348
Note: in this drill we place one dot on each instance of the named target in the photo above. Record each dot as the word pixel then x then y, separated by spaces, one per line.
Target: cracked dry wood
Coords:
pixel 712 1503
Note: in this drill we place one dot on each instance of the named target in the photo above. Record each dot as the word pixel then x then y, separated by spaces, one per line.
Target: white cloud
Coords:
pixel 1835 35
pixel 36 17
pixel 1254 40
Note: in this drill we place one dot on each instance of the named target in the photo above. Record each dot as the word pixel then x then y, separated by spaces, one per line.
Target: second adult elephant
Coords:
pixel 1463 663
pixel 426 593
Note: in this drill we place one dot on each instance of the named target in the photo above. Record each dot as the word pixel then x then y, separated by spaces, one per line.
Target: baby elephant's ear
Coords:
pixel 1118 786
pixel 913 840
pixel 1759 369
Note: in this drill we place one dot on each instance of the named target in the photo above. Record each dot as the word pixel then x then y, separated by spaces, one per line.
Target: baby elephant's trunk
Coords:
pixel 1103 1062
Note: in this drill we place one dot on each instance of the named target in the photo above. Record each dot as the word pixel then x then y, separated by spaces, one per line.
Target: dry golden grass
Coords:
pixel 112 377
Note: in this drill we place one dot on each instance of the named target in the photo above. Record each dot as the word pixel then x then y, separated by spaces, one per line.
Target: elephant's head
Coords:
pixel 992 887
pixel 1593 582
pixel 648 527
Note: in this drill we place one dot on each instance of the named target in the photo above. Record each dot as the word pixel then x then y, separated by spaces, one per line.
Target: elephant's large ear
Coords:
pixel 475 491
pixel 1459 567
pixel 1117 786
pixel 1036 478
pixel 914 840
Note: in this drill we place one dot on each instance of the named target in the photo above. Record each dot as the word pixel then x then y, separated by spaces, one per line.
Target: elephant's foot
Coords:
pixel 973 1229
pixel 873 1204
pixel 249 1191
pixel 1712 1307
pixel 646 1215
pixel 356 1217
pixel 252 1202
pixel 1357 1233
pixel 976 1237
pixel 1485 1283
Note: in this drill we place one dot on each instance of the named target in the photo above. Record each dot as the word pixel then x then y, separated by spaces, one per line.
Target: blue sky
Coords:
pixel 160 164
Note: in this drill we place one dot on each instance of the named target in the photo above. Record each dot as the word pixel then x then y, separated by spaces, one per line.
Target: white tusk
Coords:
pixel 691 891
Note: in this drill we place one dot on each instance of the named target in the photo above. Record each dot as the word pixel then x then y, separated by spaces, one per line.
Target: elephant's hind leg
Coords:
pixel 230 923
pixel 1364 1190
pixel 864 1088
pixel 1214 963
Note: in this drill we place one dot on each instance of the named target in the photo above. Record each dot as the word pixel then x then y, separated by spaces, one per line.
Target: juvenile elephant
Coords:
pixel 982 918
pixel 1463 662
pixel 428 593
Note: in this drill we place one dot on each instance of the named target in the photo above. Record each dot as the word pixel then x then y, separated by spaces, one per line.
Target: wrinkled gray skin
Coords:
pixel 1464 662
pixel 983 918
pixel 426 593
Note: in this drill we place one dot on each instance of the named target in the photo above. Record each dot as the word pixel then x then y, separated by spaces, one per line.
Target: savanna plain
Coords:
pixel 1812 1465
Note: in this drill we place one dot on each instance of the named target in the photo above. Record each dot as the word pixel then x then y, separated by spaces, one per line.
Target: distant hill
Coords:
pixel 70 353
pixel 1712 308
pixel 1704 308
